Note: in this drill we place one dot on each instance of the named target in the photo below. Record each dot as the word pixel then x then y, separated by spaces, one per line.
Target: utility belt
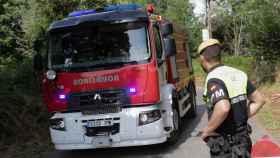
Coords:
pixel 243 131
pixel 236 144
pixel 232 139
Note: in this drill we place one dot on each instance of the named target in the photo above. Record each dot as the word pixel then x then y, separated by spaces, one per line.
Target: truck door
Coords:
pixel 160 56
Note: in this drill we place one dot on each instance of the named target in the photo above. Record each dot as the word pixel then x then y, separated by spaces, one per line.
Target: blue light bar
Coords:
pixel 117 7
pixel 122 7
pixel 82 12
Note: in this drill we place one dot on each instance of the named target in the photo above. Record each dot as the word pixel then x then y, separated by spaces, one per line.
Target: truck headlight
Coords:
pixel 57 124
pixel 51 74
pixel 149 117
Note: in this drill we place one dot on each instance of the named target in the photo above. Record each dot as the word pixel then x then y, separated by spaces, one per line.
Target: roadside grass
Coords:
pixel 269 116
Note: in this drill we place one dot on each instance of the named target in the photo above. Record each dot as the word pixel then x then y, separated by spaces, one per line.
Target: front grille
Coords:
pixel 102 109
pixel 100 102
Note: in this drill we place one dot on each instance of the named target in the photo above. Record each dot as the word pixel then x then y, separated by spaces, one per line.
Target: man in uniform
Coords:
pixel 232 99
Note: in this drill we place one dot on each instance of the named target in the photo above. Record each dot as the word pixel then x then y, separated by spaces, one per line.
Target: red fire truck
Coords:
pixel 117 76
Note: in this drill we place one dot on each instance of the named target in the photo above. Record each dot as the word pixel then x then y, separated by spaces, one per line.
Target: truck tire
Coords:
pixel 193 110
pixel 175 134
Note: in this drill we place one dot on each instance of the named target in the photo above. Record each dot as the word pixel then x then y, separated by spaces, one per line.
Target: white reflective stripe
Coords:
pixel 238 99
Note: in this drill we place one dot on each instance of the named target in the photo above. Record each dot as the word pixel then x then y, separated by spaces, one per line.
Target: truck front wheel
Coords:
pixel 174 135
pixel 193 110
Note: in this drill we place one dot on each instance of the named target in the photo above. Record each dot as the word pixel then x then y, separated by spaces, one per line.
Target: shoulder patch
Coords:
pixel 219 93
pixel 213 87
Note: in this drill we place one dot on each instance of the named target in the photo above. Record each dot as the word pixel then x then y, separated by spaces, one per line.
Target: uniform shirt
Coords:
pixel 237 117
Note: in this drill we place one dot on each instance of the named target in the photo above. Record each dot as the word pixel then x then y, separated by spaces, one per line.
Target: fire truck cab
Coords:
pixel 115 77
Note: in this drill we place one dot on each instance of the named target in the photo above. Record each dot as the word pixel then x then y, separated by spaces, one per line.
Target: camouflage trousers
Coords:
pixel 236 146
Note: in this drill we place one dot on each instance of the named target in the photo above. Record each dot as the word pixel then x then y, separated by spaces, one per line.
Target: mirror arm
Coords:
pixel 160 62
pixel 194 56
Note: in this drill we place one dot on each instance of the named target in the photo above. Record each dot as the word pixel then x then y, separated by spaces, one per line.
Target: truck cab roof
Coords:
pixel 112 14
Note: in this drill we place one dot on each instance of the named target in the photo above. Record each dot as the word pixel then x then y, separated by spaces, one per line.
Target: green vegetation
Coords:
pixel 268 119
pixel 24 120
pixel 240 62
pixel 250 27
pixel 269 116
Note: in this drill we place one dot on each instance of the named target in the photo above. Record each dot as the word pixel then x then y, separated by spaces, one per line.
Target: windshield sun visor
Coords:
pixel 109 17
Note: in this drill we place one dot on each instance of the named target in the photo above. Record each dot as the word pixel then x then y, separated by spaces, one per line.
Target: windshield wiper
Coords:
pixel 90 67
pixel 112 65
pixel 124 63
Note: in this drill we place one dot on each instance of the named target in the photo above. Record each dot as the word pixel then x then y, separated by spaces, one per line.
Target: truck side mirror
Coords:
pixel 170 46
pixel 167 29
pixel 38 62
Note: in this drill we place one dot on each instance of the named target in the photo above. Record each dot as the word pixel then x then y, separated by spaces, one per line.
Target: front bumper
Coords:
pixel 130 133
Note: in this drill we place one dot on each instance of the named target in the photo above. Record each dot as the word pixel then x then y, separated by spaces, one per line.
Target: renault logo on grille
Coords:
pixel 97 97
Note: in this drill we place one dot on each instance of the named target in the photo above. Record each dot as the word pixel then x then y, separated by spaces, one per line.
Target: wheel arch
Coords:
pixel 192 87
pixel 167 98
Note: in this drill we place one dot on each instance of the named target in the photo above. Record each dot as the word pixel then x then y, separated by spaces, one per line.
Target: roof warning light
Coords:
pixel 108 8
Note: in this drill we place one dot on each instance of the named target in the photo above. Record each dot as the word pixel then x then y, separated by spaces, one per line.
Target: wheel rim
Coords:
pixel 175 119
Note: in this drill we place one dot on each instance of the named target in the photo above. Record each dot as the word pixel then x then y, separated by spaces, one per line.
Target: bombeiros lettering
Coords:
pixel 96 79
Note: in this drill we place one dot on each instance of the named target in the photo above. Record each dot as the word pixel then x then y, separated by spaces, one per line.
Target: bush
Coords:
pixel 243 63
pixel 22 114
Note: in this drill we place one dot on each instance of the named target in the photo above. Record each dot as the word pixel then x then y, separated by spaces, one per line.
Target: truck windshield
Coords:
pixel 99 46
